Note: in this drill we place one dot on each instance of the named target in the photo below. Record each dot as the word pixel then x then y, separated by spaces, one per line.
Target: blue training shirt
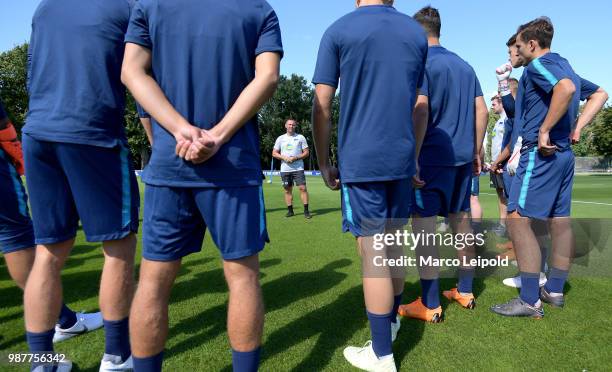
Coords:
pixel 540 77
pixel 452 87
pixel 74 72
pixel 379 56
pixel 204 55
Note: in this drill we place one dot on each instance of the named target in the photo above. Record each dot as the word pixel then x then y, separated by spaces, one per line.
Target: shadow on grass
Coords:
pixel 278 294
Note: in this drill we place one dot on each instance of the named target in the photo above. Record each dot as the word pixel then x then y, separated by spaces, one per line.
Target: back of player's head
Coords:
pixel 429 18
pixel 513 84
pixel 540 29
pixel 511 41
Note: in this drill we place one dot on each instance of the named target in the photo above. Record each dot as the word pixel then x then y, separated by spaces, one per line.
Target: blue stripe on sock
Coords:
pixel 528 174
pixel 126 211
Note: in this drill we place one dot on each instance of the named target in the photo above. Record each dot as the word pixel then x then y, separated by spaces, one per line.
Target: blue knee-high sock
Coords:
pixel 246 361
pixel 39 343
pixel 380 327
pixel 466 280
pixel 556 280
pixel 117 334
pixel 430 289
pixel 397 301
pixel 530 287
pixel 149 364
pixel 67 317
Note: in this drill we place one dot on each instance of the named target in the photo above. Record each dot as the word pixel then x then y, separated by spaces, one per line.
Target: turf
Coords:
pixel 311 285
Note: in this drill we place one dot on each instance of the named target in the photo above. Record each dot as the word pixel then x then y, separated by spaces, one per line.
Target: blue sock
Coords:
pixel 67 317
pixel 430 289
pixel 117 334
pixel 246 361
pixel 149 364
pixel 530 287
pixel 466 279
pixel 40 342
pixel 556 280
pixel 397 301
pixel 380 327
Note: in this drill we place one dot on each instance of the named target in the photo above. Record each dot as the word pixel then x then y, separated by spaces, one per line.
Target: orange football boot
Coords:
pixel 417 310
pixel 468 301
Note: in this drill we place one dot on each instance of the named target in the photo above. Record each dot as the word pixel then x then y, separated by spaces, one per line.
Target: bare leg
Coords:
pixel 43 291
pixel 149 314
pixel 117 283
pixel 19 265
pixel 245 316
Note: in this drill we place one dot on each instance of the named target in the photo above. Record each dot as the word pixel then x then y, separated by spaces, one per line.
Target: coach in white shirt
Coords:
pixel 291 149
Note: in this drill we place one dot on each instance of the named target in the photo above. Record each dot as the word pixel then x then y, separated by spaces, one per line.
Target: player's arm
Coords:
pixel 277 155
pixel 593 105
pixel 509 105
pixel 305 153
pixel 482 118
pixel 321 130
pixel 137 77
pixel 561 98
pixel 11 145
pixel 420 119
pixel 250 101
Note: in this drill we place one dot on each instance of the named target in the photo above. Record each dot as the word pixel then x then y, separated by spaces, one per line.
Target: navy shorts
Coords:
pixel 16 231
pixel 71 182
pixel 542 187
pixel 176 218
pixel 475 187
pixel 507 183
pixel 370 208
pixel 447 190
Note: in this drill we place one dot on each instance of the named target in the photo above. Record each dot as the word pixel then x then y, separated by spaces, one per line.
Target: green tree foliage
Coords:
pixel 13 75
pixel 601 132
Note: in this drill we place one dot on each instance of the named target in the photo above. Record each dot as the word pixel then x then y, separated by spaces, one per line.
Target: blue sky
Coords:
pixel 475 29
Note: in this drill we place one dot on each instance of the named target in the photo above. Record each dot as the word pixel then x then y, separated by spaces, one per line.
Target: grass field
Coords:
pixel 311 285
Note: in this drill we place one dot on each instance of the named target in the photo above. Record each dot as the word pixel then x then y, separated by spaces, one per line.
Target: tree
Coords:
pixel 13 76
pixel 137 138
pixel 601 131
pixel 292 100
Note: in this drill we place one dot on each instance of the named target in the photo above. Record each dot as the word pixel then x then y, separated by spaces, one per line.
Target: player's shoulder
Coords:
pixel 541 64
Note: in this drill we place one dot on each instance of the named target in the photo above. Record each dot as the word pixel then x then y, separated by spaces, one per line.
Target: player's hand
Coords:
pixel 184 137
pixel 513 163
pixel 544 145
pixel 204 147
pixel 331 177
pixel 575 137
pixel 503 72
pixel 417 182
pixel 476 165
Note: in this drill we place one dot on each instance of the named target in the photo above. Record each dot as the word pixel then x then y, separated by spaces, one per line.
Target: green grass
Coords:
pixel 311 285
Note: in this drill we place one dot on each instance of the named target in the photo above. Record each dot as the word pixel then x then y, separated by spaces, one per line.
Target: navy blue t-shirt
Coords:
pixel 539 79
pixel 378 54
pixel 509 108
pixel 204 55
pixel 452 87
pixel 74 72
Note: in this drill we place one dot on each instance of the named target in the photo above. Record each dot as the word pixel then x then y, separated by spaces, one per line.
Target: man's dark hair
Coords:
pixel 429 18
pixel 511 41
pixel 540 29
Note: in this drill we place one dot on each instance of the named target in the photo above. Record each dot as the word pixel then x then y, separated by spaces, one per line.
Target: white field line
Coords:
pixel 573 201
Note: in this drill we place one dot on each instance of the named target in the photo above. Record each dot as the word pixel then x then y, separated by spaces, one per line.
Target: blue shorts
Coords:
pixel 542 187
pixel 370 208
pixel 67 182
pixel 176 218
pixel 447 190
pixel 475 188
pixel 507 183
pixel 16 231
